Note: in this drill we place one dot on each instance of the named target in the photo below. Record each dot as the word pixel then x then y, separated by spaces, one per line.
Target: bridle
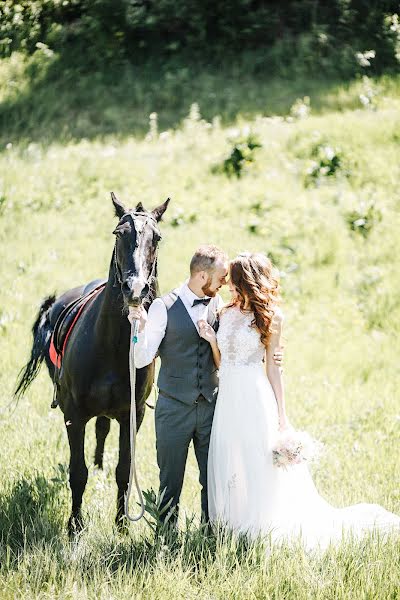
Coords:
pixel 153 271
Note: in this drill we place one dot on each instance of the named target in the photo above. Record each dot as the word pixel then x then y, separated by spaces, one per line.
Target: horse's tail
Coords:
pixel 41 331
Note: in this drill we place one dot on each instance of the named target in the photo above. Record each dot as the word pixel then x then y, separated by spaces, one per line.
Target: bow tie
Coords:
pixel 204 301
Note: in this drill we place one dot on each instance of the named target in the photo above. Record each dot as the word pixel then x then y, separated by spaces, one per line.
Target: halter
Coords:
pixel 153 271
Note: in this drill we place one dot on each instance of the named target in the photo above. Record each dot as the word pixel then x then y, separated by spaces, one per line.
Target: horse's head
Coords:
pixel 135 252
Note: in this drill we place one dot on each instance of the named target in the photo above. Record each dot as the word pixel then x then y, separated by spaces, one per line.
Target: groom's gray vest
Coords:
pixel 187 366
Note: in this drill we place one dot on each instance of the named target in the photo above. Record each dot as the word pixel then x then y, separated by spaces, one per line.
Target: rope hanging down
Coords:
pixel 133 429
pixel 132 374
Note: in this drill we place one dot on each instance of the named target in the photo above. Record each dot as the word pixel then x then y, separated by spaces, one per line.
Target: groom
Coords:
pixel 188 378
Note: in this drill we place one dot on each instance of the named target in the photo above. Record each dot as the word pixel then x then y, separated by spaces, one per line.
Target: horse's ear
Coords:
pixel 160 210
pixel 119 208
pixel 140 207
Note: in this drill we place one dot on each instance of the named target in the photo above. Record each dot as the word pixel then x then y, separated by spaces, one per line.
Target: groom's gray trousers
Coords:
pixel 177 424
pixel 188 384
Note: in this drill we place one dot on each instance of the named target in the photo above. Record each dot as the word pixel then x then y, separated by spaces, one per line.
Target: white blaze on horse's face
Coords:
pixel 138 286
pixel 143 258
pixel 135 256
pixel 139 280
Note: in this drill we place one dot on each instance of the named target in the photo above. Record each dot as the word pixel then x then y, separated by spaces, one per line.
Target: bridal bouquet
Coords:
pixel 294 447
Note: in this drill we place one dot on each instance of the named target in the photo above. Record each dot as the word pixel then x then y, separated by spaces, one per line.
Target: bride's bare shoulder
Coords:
pixel 225 308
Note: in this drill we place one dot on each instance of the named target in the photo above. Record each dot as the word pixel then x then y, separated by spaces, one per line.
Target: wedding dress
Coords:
pixel 246 492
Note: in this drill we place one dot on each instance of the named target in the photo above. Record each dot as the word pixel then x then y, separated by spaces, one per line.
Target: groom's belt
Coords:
pixel 199 398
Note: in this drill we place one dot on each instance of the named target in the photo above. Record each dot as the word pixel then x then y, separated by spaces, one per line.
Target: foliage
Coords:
pixel 363 218
pixel 320 158
pixel 326 161
pixel 301 108
pixel 157 518
pixel 179 217
pixel 369 94
pixel 80 28
pixel 309 36
pixel 242 154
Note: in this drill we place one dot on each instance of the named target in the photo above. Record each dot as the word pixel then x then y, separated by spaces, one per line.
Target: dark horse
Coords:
pixel 94 376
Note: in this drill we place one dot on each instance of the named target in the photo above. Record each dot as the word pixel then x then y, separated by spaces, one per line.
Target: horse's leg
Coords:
pixel 122 470
pixel 78 472
pixel 102 431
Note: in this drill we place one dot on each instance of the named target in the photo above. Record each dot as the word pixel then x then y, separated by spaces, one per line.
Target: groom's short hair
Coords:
pixel 205 257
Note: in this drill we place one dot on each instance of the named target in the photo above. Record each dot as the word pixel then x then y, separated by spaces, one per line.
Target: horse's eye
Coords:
pixel 122 228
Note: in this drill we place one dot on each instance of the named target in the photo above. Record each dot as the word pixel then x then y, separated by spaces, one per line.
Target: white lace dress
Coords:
pixel 246 491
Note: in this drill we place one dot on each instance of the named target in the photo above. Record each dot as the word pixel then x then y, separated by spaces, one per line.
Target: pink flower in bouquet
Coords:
pixel 294 447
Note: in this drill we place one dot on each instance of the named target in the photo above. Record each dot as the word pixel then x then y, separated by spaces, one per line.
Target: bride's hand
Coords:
pixel 284 424
pixel 206 331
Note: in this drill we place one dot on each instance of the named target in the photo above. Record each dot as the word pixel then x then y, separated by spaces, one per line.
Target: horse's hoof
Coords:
pixel 75 525
pixel 122 524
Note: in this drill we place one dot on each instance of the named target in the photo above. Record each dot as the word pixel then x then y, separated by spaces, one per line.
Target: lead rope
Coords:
pixel 132 421
pixel 133 429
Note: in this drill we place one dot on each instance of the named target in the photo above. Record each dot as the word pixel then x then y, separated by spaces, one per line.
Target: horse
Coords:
pixel 93 380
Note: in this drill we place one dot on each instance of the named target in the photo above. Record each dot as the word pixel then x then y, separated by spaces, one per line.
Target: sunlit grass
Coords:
pixel 43 98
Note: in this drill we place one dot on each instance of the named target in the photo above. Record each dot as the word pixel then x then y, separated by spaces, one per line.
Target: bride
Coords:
pixel 246 491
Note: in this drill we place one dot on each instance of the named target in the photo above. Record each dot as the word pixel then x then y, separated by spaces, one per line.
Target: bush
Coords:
pixel 92 30
pixel 363 218
pixel 301 108
pixel 241 156
pixel 305 35
pixel 327 161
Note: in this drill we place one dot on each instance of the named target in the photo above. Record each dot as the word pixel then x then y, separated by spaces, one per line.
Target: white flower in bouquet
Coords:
pixel 294 447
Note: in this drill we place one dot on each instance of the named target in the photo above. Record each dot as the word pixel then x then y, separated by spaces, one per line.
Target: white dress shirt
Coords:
pixel 151 337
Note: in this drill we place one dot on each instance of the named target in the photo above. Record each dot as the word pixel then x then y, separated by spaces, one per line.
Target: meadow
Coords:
pixel 321 197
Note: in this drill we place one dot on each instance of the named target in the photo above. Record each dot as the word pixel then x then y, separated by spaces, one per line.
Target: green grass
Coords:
pixel 44 98
pixel 341 300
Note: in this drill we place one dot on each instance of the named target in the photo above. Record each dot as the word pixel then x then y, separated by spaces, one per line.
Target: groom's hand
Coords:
pixel 138 313
pixel 278 356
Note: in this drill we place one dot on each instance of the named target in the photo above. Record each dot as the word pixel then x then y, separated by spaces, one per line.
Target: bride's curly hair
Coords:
pixel 257 285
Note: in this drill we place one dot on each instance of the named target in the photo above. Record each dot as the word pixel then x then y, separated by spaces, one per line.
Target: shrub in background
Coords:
pixel 363 218
pixel 241 156
pixel 307 35
pixel 326 161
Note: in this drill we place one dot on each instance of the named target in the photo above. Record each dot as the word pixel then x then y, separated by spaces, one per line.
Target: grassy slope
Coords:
pixel 342 313
pixel 44 98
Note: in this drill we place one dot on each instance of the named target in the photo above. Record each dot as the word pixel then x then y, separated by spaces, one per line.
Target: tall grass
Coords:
pixel 45 99
pixel 341 299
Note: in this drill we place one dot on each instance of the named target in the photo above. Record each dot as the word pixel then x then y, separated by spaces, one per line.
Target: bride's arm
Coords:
pixel 208 333
pixel 274 372
pixel 216 353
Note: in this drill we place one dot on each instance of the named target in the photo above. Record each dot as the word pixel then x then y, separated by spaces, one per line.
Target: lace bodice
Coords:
pixel 239 343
